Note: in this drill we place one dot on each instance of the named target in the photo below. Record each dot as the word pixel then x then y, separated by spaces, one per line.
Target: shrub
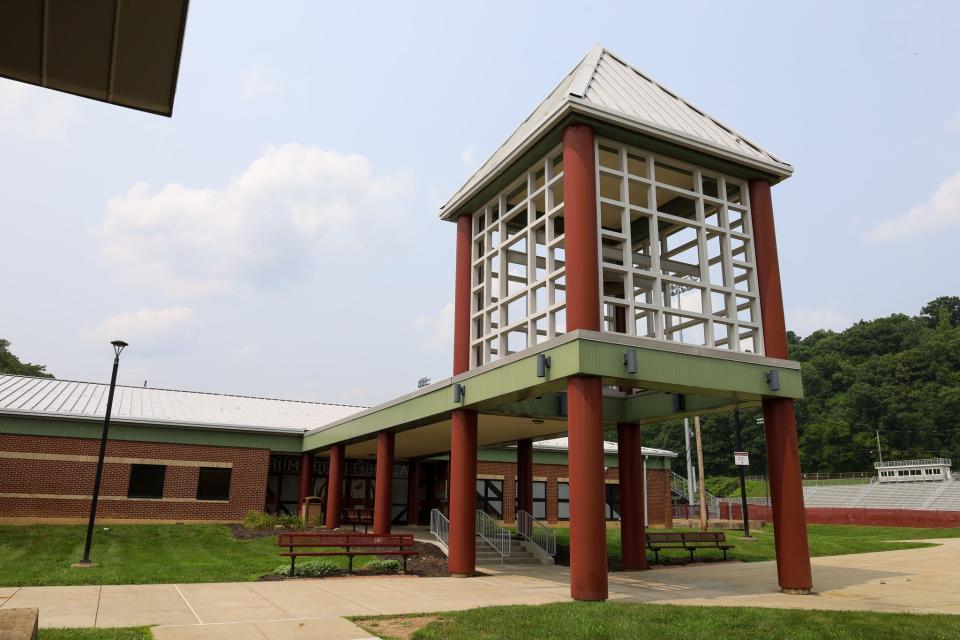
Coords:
pixel 311 569
pixel 380 567
pixel 261 520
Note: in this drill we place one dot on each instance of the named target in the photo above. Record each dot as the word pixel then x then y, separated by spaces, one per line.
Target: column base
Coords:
pixel 461 575
pixel 796 592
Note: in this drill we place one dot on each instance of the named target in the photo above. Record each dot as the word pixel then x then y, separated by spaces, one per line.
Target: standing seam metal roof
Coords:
pixel 606 86
pixel 25 395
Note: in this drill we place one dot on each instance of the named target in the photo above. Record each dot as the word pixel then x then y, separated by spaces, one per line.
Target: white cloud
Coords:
pixel 256 84
pixel 145 328
pixel 806 320
pixel 35 113
pixel 263 228
pixel 953 124
pixel 247 351
pixel 438 327
pixel 468 155
pixel 942 210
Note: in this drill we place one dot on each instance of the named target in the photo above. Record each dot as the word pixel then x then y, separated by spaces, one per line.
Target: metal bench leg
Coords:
pixel 656 556
pixel 724 554
pixel 293 560
pixel 691 554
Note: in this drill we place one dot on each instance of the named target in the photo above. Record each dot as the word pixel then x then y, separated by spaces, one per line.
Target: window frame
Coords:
pixel 134 468
pixel 200 474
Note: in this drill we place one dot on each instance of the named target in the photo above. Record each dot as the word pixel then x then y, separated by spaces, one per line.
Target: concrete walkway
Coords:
pixel 916 580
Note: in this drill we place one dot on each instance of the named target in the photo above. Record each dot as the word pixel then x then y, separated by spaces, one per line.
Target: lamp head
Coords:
pixel 118 346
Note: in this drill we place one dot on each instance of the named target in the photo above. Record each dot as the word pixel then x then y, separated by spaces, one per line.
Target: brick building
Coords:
pixel 177 456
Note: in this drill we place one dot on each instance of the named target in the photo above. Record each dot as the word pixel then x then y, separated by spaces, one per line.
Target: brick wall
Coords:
pixel 659 504
pixel 29 479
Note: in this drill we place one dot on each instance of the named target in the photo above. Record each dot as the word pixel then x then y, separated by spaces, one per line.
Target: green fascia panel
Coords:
pixel 513 385
pixel 485 388
pixel 657 407
pixel 280 443
pixel 687 372
pixel 556 457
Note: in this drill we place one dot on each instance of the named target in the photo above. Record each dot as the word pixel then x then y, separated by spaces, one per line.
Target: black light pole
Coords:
pixel 743 480
pixel 118 346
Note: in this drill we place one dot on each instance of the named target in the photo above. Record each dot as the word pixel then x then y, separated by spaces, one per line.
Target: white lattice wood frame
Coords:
pixel 676 249
pixel 518 294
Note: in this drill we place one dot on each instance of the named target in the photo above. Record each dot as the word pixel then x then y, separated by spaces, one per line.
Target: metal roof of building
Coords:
pixel 603 86
pixel 30 396
pixel 563 444
pixel 124 53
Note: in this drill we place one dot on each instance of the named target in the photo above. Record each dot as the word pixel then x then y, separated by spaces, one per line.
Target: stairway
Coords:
pixel 487 555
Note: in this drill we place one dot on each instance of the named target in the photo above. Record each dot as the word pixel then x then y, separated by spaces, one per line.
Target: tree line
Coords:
pixel 897 376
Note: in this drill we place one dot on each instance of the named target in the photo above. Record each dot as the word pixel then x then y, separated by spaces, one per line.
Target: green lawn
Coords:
pixel 825 540
pixel 607 620
pixel 121 633
pixel 135 554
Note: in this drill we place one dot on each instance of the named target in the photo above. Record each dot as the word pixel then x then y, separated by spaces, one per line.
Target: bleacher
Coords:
pixel 939 496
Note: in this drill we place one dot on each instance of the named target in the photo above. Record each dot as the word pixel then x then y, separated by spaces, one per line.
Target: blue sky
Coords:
pixel 352 124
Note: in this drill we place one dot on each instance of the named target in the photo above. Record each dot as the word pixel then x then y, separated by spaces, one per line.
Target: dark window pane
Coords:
pixel 214 484
pixel 146 481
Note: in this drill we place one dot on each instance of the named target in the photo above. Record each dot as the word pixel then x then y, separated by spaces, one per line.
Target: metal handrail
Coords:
pixel 493 534
pixel 440 528
pixel 534 531
pixel 912 463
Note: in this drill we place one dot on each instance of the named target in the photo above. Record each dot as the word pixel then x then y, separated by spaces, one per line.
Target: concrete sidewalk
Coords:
pixel 917 580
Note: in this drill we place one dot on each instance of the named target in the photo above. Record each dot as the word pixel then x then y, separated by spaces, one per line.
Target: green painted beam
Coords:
pixel 511 386
pixel 67 428
pixel 657 407
pixel 692 372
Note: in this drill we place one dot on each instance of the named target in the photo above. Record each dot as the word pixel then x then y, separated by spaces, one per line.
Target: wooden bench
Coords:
pixel 688 541
pixel 345 544
pixel 358 515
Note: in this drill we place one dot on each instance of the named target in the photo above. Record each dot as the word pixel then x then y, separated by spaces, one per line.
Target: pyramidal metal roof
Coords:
pixel 47 397
pixel 605 87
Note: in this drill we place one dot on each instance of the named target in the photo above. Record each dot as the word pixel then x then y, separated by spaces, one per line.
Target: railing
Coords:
pixel 913 463
pixel 440 528
pixel 493 534
pixel 678 485
pixel 536 532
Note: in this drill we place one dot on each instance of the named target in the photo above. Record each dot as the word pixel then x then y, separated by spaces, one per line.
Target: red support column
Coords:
pixel 461 309
pixel 413 493
pixel 780 422
pixel 306 479
pixel 580 228
pixel 383 494
pixel 632 495
pixel 588 526
pixel 463 493
pixel 525 475
pixel 335 486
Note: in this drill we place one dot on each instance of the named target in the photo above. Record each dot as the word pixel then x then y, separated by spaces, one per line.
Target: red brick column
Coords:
pixel 630 472
pixel 780 422
pixel 335 486
pixel 383 495
pixel 463 493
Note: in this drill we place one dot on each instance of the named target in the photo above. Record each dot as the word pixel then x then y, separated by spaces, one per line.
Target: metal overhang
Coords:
pixel 124 52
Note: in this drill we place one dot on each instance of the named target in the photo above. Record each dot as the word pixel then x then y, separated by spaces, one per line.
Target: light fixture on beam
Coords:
pixel 459 391
pixel 543 363
pixel 630 361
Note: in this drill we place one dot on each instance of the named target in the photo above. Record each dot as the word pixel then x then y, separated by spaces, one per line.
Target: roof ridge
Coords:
pixel 201 393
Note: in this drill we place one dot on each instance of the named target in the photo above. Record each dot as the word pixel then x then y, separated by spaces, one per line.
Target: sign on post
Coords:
pixel 741 458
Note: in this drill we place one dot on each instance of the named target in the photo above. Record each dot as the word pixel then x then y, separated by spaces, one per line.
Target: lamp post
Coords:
pixel 118 346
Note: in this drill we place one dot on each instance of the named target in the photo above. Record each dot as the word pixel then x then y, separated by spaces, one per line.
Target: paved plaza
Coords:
pixel 915 580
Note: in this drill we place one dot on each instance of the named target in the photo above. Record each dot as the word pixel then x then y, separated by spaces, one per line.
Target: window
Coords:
pixel 539 499
pixel 563 500
pixel 146 481
pixel 613 501
pixel 214 483
pixel 490 497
